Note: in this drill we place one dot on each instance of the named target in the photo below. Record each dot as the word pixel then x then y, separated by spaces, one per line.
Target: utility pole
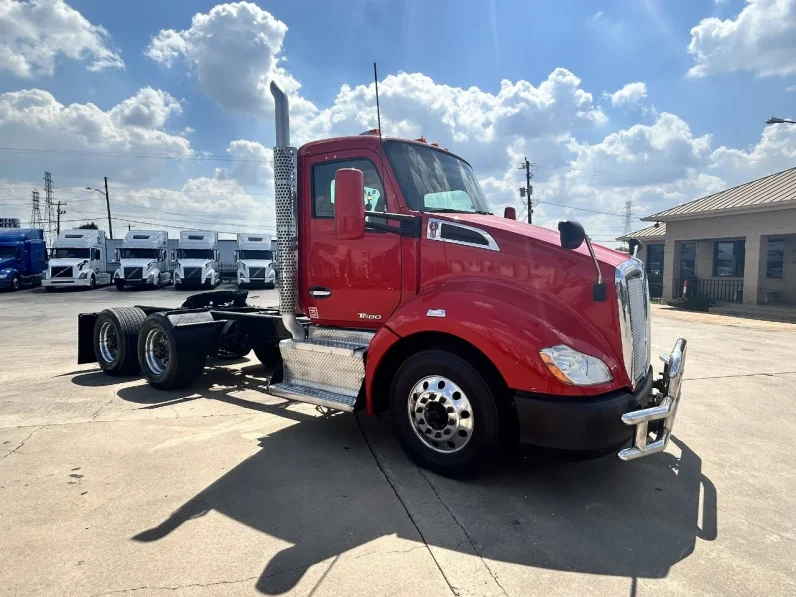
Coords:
pixel 527 191
pixel 59 213
pixel 129 227
pixel 49 206
pixel 108 204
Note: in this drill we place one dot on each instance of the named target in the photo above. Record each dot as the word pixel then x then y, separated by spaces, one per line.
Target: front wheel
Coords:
pixel 119 285
pixel 165 365
pixel 15 283
pixel 445 414
pixel 92 283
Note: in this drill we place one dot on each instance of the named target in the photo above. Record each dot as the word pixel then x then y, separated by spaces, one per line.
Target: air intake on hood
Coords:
pixel 463 235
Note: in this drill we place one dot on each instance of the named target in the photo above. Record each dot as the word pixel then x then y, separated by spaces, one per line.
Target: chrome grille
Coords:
pixel 639 325
pixel 133 273
pixel 634 318
pixel 192 272
pixel 257 273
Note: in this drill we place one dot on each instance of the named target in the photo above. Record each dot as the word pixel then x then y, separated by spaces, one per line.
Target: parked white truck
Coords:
pixel 198 265
pixel 255 261
pixel 143 260
pixel 78 258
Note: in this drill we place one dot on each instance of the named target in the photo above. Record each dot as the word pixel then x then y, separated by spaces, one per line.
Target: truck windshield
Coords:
pixel 65 253
pixel 139 253
pixel 254 254
pixel 195 253
pixel 7 252
pixel 432 180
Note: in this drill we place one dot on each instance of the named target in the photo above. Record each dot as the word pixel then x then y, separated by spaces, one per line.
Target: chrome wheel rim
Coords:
pixel 108 342
pixel 157 351
pixel 15 283
pixel 440 414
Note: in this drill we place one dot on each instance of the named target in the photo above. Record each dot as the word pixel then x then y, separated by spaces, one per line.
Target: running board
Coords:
pixel 326 369
pixel 290 391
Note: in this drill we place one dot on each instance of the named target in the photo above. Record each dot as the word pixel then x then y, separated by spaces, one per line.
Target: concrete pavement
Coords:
pixel 108 487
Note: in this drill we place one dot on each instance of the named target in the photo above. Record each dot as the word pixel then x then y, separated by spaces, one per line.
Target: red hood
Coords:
pixel 499 227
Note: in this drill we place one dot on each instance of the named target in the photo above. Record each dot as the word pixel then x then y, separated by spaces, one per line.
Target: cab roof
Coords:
pixel 368 140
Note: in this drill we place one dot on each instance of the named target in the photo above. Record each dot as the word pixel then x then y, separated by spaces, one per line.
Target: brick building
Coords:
pixel 738 245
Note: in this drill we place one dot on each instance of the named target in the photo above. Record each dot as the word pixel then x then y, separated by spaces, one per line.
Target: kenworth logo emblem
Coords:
pixel 432 229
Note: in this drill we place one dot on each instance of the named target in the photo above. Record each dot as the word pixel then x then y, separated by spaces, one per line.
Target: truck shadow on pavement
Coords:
pixel 305 487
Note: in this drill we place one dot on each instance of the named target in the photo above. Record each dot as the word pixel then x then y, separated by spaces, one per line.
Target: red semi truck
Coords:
pixel 400 291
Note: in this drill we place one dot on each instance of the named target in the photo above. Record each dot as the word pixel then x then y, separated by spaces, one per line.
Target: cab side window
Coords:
pixel 323 187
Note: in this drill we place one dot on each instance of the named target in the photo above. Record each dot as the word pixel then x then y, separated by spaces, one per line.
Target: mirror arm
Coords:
pixel 594 259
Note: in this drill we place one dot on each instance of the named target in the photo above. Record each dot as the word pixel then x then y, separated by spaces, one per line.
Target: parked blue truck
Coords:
pixel 23 257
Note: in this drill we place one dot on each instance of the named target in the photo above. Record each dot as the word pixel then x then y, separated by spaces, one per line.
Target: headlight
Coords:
pixel 176 275
pixel 116 274
pixel 4 273
pixel 82 275
pixel 573 367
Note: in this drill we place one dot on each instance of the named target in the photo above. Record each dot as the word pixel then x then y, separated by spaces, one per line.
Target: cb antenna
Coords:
pixel 378 110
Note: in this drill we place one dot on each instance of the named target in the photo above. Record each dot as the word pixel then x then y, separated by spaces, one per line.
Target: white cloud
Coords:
pixel 791 88
pixel 760 39
pixel 254 164
pixel 629 94
pixel 413 104
pixel 149 108
pixel 234 51
pixel 33 34
pixel 81 134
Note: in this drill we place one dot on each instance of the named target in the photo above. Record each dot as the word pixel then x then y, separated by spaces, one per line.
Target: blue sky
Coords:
pixel 705 75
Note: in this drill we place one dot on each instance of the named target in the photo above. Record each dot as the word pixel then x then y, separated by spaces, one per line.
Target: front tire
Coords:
pixel 92 283
pixel 119 285
pixel 115 337
pixel 15 283
pixel 445 414
pixel 165 365
pixel 49 288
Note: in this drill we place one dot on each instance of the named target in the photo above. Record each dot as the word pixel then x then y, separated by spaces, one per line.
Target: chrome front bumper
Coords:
pixel 666 400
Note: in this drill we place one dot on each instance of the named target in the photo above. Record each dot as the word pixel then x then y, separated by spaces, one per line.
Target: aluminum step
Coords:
pixel 326 369
pixel 299 393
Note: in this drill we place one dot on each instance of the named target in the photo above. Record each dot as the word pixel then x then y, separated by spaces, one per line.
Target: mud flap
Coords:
pixel 85 338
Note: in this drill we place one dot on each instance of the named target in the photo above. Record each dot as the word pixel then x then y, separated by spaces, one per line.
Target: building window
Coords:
pixel 655 261
pixel 728 259
pixel 776 257
pixel 687 260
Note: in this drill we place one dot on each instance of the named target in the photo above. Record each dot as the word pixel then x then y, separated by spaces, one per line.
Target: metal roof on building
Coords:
pixel 775 191
pixel 646 233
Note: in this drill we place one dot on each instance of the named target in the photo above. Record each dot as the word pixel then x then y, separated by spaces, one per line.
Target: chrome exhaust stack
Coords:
pixel 285 193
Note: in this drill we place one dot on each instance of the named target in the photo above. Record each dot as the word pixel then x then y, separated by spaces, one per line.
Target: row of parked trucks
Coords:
pixel 81 258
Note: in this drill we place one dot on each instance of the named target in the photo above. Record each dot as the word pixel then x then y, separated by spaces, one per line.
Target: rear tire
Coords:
pixel 115 337
pixel 440 397
pixel 165 365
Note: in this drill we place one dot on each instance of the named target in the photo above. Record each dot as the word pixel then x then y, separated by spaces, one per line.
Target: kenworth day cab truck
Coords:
pixel 23 257
pixel 255 261
pixel 197 260
pixel 473 330
pixel 143 260
pixel 78 258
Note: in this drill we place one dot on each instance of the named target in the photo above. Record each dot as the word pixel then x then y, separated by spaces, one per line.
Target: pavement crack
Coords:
pixel 492 573
pixel 179 587
pixel 94 416
pixel 378 552
pixel 376 459
pixel 739 375
pixel 22 443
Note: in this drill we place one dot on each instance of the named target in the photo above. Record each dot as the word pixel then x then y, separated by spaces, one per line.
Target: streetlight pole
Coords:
pixel 107 203
pixel 775 120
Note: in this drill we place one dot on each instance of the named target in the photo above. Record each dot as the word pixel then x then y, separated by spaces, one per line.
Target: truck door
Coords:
pixel 354 283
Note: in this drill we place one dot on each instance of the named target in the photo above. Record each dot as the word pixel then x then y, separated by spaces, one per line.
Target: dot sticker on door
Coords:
pixel 313 311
